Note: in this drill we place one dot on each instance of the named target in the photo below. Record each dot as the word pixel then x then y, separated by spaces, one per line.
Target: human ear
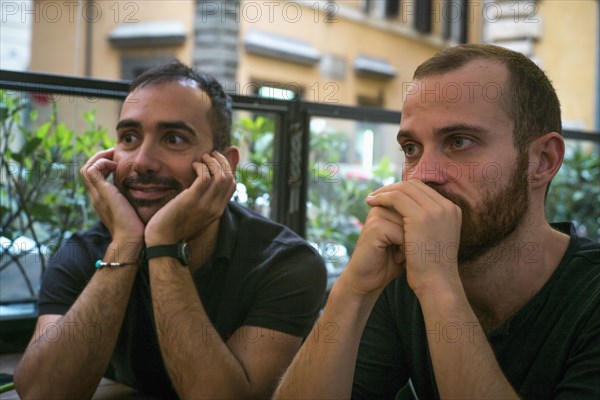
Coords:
pixel 546 155
pixel 232 154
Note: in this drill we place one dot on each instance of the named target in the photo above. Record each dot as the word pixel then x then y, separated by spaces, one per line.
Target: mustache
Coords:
pixel 152 179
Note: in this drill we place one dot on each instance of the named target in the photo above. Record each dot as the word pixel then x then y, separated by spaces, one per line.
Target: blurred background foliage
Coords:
pixel 575 191
pixel 42 199
pixel 255 138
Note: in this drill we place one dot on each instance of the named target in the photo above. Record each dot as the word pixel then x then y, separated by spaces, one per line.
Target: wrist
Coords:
pixel 126 239
pixel 180 251
pixel 152 242
pixel 346 284
pixel 344 301
pixel 159 238
pixel 124 250
pixel 441 296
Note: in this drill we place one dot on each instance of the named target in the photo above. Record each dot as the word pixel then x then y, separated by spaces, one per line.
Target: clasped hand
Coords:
pixel 411 228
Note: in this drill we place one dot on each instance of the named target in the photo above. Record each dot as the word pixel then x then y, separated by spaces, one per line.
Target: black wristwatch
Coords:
pixel 181 251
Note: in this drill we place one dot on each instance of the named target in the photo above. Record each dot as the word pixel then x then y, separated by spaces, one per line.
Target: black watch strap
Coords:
pixel 180 251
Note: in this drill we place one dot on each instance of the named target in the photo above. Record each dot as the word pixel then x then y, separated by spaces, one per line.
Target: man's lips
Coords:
pixel 149 192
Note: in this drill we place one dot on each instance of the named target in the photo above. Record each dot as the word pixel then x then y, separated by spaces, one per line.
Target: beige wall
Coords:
pixel 568 52
pixel 348 35
pixel 567 49
pixel 59 35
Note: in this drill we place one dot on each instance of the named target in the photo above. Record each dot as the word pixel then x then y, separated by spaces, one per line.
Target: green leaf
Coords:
pixel 31 146
pixel 41 211
pixel 42 131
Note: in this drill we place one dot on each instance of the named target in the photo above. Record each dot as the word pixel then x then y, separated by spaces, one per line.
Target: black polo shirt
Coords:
pixel 260 274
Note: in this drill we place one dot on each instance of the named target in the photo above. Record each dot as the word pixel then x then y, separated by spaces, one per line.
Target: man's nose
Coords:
pixel 431 168
pixel 147 159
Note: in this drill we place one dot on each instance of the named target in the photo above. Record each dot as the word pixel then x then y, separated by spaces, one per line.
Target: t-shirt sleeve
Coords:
pixel 291 292
pixel 380 372
pixel 68 272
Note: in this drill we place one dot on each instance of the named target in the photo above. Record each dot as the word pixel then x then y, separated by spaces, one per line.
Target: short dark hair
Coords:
pixel 219 115
pixel 529 98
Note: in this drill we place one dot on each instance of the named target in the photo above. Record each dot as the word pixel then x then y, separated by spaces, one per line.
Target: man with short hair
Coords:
pixel 458 283
pixel 178 292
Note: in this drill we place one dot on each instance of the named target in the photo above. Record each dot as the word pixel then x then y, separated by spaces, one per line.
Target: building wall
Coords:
pixel 568 51
pixel 561 35
pixel 60 43
pixel 347 34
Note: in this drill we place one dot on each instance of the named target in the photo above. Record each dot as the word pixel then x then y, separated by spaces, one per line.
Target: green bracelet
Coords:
pixel 7 386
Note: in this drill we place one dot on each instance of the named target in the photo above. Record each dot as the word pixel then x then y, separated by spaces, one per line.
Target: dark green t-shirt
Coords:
pixel 549 349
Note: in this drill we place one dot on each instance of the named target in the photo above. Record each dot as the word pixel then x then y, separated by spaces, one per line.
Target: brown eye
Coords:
pixel 127 138
pixel 175 139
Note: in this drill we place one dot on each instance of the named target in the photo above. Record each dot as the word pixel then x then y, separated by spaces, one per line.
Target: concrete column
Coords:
pixel 216 38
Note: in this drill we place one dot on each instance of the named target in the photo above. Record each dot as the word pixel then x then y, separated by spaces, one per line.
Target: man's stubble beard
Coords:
pixel 140 204
pixel 497 215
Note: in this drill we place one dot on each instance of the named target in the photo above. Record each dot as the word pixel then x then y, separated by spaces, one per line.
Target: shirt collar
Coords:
pixel 227 236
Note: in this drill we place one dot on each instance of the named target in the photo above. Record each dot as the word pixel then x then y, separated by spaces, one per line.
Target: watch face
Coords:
pixel 186 253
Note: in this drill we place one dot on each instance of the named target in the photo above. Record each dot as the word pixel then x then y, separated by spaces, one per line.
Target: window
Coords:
pixel 368 101
pixel 276 93
pixel 455 14
pixel 348 159
pixel 423 12
pixel 392 8
pixel 288 92
pixel 382 8
pixel 132 66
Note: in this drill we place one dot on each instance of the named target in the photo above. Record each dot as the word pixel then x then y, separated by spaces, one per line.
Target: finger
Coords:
pixel 224 164
pixel 387 213
pixel 213 163
pixel 430 199
pixel 397 200
pixel 387 188
pixel 384 226
pixel 108 154
pixel 221 173
pixel 421 194
pixel 202 173
pixel 415 205
pixel 206 184
pixel 407 187
pixel 101 155
pixel 423 191
pixel 398 255
pixel 98 171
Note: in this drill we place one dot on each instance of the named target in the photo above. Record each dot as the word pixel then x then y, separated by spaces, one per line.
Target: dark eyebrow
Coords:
pixel 463 128
pixel 180 125
pixel 128 123
pixel 131 123
pixel 403 134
